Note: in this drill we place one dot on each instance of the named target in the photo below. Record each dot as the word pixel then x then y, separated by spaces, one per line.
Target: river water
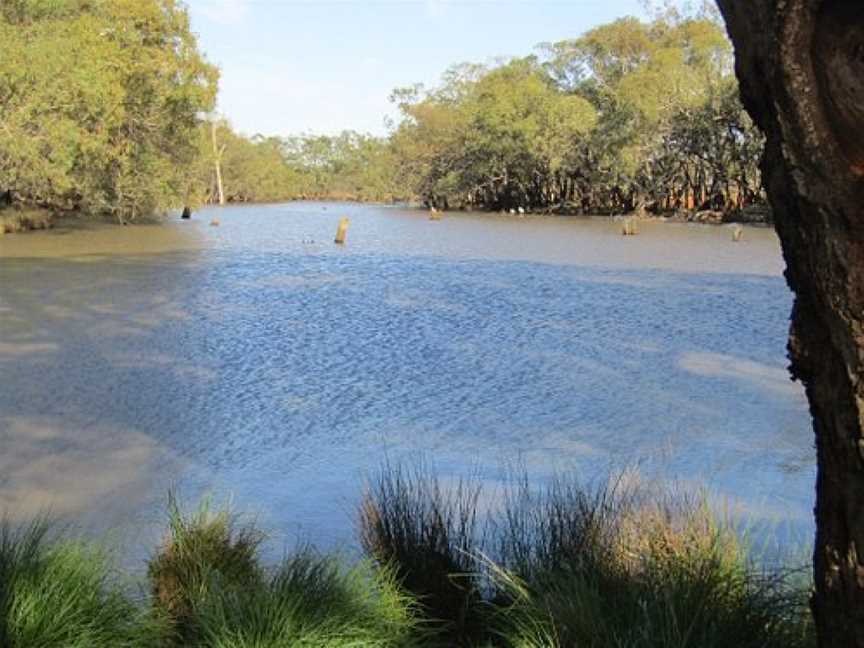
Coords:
pixel 259 361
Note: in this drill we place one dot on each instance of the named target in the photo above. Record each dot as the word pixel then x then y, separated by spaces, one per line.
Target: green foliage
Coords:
pixel 59 594
pixel 629 115
pixel 204 552
pixel 623 565
pixel 311 601
pixel 348 166
pixel 428 536
pixel 99 104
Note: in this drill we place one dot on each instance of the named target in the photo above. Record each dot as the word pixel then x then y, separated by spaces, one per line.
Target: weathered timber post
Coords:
pixel 629 227
pixel 801 67
pixel 737 233
pixel 342 231
pixel 187 213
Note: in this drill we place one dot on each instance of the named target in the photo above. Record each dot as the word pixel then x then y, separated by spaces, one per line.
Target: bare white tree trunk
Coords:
pixel 217 163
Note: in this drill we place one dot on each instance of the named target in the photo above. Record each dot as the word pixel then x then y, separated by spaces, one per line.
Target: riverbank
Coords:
pixel 15 220
pixel 753 215
pixel 21 219
pixel 443 565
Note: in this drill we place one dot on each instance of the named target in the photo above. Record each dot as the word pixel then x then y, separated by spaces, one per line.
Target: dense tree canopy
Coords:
pixel 632 115
pixel 629 115
pixel 106 107
pixel 99 104
pixel 348 166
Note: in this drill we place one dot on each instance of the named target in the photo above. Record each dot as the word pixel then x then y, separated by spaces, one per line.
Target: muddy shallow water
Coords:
pixel 258 360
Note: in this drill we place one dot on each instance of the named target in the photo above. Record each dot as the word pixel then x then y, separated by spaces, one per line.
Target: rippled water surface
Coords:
pixel 259 359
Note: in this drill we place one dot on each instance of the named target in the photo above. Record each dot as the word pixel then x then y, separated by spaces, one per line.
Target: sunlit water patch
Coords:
pixel 260 360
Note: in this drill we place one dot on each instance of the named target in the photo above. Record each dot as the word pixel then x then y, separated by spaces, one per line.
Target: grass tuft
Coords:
pixel 311 601
pixel 61 594
pixel 638 567
pixel 20 220
pixel 205 551
pixel 429 536
pixel 623 565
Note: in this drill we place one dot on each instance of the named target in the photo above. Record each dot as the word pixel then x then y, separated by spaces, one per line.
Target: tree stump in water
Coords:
pixel 629 227
pixel 187 213
pixel 342 231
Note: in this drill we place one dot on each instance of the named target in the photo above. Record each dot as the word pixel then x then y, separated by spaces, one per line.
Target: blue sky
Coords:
pixel 321 66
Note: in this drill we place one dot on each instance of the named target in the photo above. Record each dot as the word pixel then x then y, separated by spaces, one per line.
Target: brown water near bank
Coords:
pixel 75 237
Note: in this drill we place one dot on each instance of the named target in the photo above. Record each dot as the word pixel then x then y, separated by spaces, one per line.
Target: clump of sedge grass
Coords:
pixel 623 564
pixel 60 593
pixel 429 537
pixel 311 601
pixel 561 525
pixel 20 220
pixel 637 567
pixel 206 551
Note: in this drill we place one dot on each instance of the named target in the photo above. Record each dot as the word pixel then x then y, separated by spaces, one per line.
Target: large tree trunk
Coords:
pixel 801 67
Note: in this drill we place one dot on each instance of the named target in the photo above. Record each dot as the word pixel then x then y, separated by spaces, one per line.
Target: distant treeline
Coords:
pixel 349 166
pixel 631 116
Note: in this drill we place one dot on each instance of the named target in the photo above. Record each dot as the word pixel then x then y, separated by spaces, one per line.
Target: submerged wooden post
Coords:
pixel 629 227
pixel 737 233
pixel 187 213
pixel 342 231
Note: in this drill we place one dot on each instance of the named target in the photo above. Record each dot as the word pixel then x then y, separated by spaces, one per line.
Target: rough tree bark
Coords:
pixel 801 67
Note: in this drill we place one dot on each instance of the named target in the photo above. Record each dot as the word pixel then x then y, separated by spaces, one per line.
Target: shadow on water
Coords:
pixel 286 378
